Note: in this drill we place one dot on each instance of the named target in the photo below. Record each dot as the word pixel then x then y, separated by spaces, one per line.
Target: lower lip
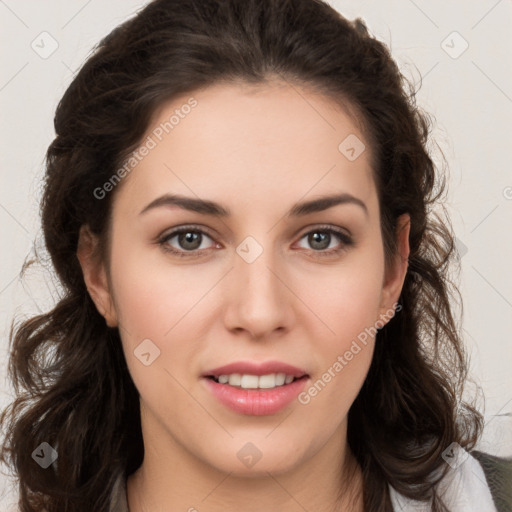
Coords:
pixel 256 402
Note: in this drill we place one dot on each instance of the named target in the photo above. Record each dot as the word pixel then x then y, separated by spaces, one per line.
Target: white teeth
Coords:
pixel 235 379
pixel 247 381
pixel 280 379
pixel 266 381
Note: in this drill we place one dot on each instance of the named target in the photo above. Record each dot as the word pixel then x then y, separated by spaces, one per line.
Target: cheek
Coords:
pixel 347 304
pixel 348 313
pixel 151 296
pixel 345 298
pixel 343 352
pixel 153 303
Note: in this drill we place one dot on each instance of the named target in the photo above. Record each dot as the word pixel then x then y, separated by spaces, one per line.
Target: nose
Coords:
pixel 259 300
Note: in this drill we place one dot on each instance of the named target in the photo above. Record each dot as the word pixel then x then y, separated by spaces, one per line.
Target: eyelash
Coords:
pixel 345 239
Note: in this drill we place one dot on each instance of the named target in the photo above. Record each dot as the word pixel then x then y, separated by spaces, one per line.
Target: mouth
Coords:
pixel 255 389
pixel 252 375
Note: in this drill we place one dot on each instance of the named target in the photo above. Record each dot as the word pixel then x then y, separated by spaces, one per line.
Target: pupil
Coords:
pixel 318 237
pixel 189 238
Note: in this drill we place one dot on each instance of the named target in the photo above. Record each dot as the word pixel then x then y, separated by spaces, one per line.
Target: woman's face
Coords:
pixel 258 279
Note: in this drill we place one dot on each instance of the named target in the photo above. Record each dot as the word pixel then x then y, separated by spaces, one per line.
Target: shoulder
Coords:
pixel 474 481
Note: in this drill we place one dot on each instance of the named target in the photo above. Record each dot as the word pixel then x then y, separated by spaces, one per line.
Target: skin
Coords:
pixel 257 151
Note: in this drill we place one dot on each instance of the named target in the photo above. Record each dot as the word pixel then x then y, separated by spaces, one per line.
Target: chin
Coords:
pixel 248 459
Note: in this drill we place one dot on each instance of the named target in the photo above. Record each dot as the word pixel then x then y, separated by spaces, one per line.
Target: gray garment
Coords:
pixel 118 501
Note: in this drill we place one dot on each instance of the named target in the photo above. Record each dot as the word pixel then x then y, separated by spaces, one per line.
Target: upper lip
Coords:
pixel 252 368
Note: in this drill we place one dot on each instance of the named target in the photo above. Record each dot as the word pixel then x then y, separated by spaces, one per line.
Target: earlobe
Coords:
pixel 95 275
pixel 395 275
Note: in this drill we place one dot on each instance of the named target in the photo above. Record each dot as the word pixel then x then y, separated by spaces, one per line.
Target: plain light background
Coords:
pixel 467 90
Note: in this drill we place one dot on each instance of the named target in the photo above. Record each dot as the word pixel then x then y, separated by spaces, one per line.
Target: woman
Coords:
pixel 256 312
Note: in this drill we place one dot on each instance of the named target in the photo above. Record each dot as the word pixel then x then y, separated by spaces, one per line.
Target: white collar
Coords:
pixel 463 489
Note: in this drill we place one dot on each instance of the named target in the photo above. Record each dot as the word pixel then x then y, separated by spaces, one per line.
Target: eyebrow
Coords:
pixel 207 207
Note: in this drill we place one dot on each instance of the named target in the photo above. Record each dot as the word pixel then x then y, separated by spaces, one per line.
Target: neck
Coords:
pixel 330 480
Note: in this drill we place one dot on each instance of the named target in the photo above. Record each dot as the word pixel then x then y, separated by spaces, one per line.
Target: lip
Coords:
pixel 255 402
pixel 252 368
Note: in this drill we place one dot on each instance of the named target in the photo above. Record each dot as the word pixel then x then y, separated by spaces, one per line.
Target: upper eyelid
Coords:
pixel 176 231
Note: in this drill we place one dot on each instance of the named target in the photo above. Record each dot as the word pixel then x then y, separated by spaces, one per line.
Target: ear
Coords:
pixel 95 275
pixel 395 275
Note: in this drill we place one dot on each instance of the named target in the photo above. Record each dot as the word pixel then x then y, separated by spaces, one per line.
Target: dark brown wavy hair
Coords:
pixel 73 388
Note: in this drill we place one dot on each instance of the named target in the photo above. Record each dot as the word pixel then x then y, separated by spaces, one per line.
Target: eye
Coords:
pixel 321 238
pixel 189 240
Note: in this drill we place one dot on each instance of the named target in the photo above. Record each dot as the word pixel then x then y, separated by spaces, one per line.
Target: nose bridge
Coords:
pixel 254 264
pixel 260 303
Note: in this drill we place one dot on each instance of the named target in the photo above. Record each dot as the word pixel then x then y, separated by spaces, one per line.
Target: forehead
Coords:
pixel 252 143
